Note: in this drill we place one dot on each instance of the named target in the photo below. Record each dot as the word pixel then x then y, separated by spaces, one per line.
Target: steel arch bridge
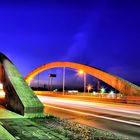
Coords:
pixel 21 99
pixel 123 86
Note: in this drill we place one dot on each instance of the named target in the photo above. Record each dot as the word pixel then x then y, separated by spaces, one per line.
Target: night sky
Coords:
pixel 104 34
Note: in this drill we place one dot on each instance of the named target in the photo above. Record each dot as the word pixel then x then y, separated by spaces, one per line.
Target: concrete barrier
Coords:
pixel 19 97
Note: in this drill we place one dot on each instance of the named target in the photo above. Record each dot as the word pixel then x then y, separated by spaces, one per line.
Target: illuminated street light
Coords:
pixel 102 90
pixel 38 82
pixel 64 78
pixel 89 88
pixel 111 92
pixel 81 72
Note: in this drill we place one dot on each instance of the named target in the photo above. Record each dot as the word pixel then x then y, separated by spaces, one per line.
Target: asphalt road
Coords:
pixel 119 118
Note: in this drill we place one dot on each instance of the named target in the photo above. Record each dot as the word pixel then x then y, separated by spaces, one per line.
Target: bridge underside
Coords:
pixel 18 96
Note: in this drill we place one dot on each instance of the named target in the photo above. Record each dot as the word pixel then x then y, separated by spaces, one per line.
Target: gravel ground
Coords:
pixel 77 131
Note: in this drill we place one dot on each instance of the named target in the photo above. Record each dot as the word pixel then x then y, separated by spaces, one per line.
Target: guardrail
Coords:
pixel 91 97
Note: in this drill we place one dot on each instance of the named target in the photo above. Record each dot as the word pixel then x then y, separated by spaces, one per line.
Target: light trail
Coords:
pixel 92 105
pixel 2 93
pixel 93 115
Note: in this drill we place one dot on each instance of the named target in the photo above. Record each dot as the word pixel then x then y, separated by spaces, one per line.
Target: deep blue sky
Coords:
pixel 104 34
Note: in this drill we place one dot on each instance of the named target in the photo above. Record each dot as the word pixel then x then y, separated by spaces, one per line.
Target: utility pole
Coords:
pixel 85 80
pixel 64 75
pixel 98 87
pixel 38 82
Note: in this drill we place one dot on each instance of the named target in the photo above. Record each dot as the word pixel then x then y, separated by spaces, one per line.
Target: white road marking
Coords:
pixel 89 114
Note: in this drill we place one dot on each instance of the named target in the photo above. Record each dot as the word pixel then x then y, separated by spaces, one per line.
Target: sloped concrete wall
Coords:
pixel 125 87
pixel 19 97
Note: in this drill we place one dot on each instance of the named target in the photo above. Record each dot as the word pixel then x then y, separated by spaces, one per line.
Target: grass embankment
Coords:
pixel 76 131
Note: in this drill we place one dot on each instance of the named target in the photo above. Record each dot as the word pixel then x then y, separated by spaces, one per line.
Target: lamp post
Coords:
pixel 85 81
pixel 89 88
pixel 81 72
pixel 98 88
pixel 38 82
pixel 102 91
pixel 64 75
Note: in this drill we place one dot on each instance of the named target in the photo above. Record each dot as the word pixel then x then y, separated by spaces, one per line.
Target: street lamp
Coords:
pixel 81 72
pixel 102 90
pixel 89 88
pixel 112 95
pixel 111 92
pixel 64 75
pixel 38 82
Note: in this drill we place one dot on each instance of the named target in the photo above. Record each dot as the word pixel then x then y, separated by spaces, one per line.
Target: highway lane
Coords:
pixel 119 118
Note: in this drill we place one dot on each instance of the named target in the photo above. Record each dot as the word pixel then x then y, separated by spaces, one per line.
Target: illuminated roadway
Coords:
pixel 120 118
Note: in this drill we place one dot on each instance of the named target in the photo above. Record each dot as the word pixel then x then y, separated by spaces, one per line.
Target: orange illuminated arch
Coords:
pixel 118 83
